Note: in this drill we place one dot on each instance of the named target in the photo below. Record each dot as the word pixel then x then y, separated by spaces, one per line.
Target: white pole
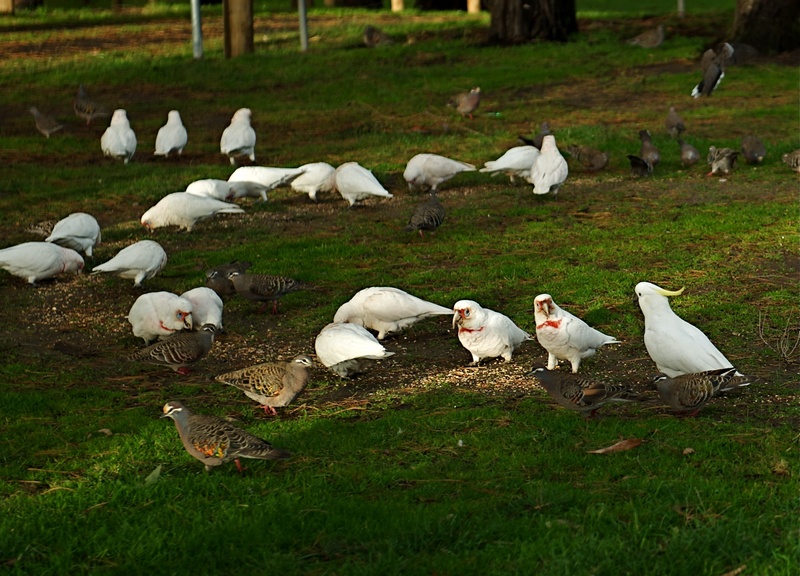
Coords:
pixel 681 9
pixel 301 9
pixel 197 31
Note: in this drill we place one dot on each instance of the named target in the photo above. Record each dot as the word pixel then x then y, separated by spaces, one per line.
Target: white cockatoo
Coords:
pixel 172 136
pixel 356 183
pixel 206 307
pixel 140 261
pixel 564 336
pixel 430 170
pixel 316 177
pixel 676 346
pixel 119 141
pixel 347 349
pixel 79 231
pixel 516 162
pixel 210 188
pixel 486 333
pixel 258 180
pixel 239 138
pixel 386 310
pixel 184 210
pixel 36 261
pixel 550 169
pixel 158 315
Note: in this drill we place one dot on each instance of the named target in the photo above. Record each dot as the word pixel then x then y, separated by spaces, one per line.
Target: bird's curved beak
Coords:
pixel 457 316
pixel 671 292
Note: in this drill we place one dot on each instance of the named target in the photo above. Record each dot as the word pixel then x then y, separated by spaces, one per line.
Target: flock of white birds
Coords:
pixel 693 369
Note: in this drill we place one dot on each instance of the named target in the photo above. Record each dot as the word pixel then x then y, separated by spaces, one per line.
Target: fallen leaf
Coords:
pixel 687 451
pixel 153 476
pixel 620 446
pixel 736 571
pixel 781 468
pixel 106 431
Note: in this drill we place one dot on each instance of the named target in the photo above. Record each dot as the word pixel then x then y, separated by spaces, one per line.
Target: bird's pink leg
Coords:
pixel 239 466
pixel 269 410
pixel 184 371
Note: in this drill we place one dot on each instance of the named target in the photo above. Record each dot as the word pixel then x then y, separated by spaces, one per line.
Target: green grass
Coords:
pixel 420 466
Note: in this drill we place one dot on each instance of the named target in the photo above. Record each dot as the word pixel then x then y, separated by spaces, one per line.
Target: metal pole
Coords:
pixel 301 9
pixel 197 31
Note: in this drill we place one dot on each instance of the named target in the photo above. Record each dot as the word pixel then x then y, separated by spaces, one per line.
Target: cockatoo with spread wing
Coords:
pixel 386 310
pixel 486 333
pixel 430 170
pixel 172 136
pixel 316 177
pixel 676 346
pixel 140 262
pixel 185 210
pixel 262 180
pixel 356 183
pixel 347 349
pixel 36 261
pixel 550 169
pixel 239 138
pixel 516 162
pixel 564 336
pixel 119 140
pixel 79 231
pixel 159 315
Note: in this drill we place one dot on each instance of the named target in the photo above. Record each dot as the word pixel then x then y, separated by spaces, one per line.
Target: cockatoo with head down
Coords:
pixel 36 261
pixel 564 336
pixel 347 349
pixel 517 161
pixel 676 346
pixel 550 169
pixel 140 261
pixel 159 315
pixel 486 333
pixel 356 183
pixel 185 210
pixel 260 180
pixel 316 177
pixel 239 138
pixel 79 231
pixel 206 307
pixel 386 310
pixel 430 170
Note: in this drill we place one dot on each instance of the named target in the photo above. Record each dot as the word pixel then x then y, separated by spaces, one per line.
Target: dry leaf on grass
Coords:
pixel 687 451
pixel 620 446
pixel 736 571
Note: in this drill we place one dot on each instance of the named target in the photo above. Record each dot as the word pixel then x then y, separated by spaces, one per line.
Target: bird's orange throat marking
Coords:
pixel 469 330
pixel 549 324
pixel 161 325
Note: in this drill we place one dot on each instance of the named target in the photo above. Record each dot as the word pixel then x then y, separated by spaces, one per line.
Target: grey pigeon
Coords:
pixel 537 140
pixel 579 393
pixel 466 102
pixel 374 37
pixel 753 149
pixel 674 123
pixel 264 287
pixel 690 392
pixel 87 108
pixel 689 154
pixel 713 65
pixel 214 441
pixel 639 166
pixel 721 159
pixel 591 158
pixel 649 38
pixel 428 215
pixel 792 160
pixel 217 277
pixel 273 383
pixel 178 351
pixel 743 53
pixel 44 123
pixel 647 150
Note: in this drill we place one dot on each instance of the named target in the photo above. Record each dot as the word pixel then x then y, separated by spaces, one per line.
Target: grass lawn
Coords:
pixel 423 465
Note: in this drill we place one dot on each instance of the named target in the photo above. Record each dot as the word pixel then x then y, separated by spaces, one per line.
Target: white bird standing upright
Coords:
pixel 36 261
pixel 386 310
pixel 550 169
pixel 486 333
pixel 316 177
pixel 119 140
pixel 185 210
pixel 206 307
pixel 676 346
pixel 430 170
pixel 355 183
pixel 158 315
pixel 79 231
pixel 515 162
pixel 347 349
pixel 256 181
pixel 172 136
pixel 140 261
pixel 565 336
pixel 239 138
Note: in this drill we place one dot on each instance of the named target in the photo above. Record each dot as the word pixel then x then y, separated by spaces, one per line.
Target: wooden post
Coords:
pixel 6 6
pixel 397 5
pixel 238 22
pixel 473 6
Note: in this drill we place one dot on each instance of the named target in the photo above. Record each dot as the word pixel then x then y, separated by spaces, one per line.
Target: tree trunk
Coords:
pixel 767 25
pixel 515 21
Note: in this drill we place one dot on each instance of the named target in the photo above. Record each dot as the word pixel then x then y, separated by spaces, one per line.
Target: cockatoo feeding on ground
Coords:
pixel 36 261
pixel 356 183
pixel 347 349
pixel 316 177
pixel 206 307
pixel 430 170
pixel 261 179
pixel 486 333
pixel 564 336
pixel 159 315
pixel 78 231
pixel 140 261
pixel 185 210
pixel 516 162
